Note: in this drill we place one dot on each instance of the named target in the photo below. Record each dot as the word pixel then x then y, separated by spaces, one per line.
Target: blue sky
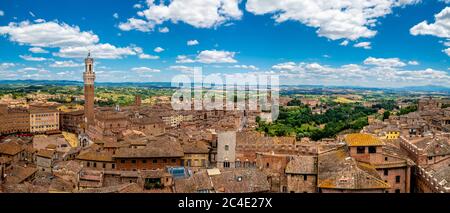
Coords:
pixel 385 43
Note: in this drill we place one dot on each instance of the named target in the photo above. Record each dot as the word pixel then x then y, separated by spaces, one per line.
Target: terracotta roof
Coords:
pixel 10 148
pixel 337 170
pixel 302 165
pixel 240 181
pixel 197 147
pixel 93 155
pixel 154 149
pixel 360 139
pixel 18 174
pixel 46 153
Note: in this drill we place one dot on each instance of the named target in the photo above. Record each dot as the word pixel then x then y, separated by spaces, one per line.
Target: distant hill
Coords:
pixel 427 88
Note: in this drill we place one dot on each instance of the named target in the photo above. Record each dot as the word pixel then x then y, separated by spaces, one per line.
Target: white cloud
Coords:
pixel 183 69
pixel 440 27
pixel 246 67
pixel 31 58
pixel 48 34
pixel 31 14
pixel 384 62
pixel 116 16
pixel 413 62
pixel 184 59
pixel 72 42
pixel 5 65
pixel 137 6
pixel 198 13
pixel 2 13
pixel 215 56
pixel 60 64
pixel 39 20
pixel 192 42
pixel 158 49
pixel 344 43
pixel 365 45
pixel 358 75
pixel 335 19
pixel 136 24
pixel 37 50
pixel 145 70
pixel 103 51
pixel 147 56
pixel 164 30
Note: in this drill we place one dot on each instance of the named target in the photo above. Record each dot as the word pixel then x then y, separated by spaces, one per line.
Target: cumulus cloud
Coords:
pixel 31 58
pixel 71 41
pixel 2 13
pixel 136 24
pixel 184 59
pixel 335 19
pixel 377 73
pixel 147 56
pixel 215 56
pixel 384 62
pixel 440 28
pixel 145 70
pixel 365 45
pixel 37 50
pixel 192 42
pixel 104 51
pixel 183 69
pixel 198 13
pixel 61 64
pixel 413 62
pixel 209 57
pixel 116 16
pixel 158 49
pixel 48 34
pixel 245 67
pixel 164 30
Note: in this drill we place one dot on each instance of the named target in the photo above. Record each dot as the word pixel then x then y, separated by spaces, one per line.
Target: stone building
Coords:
pixel 89 78
pixel 72 121
pixel 14 120
pixel 43 119
pixel 226 149
pixel 301 172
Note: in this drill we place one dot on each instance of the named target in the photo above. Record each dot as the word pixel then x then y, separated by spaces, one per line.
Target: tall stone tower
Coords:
pixel 89 78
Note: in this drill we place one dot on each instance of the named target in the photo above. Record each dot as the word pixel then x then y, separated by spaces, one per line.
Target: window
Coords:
pixel 113 166
pixel 122 161
pixel 164 160
pixel 88 164
pixel 174 160
pixel 226 164
pixel 227 147
pixel 360 149
pixel 267 165
pixel 397 179
pixel 133 161
pixel 144 161
pixel 104 165
pixel 385 158
pixel 386 172
pixel 372 149
pixel 430 158
pixel 95 165
pixel 305 177
pixel 155 161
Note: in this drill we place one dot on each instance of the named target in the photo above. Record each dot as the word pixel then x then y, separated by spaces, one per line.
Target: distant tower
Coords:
pixel 89 78
pixel 137 100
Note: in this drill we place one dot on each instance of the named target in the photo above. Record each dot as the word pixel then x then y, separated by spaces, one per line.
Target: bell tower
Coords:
pixel 89 78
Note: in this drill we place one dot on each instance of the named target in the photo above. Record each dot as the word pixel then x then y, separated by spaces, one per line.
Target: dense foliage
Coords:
pixel 301 122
